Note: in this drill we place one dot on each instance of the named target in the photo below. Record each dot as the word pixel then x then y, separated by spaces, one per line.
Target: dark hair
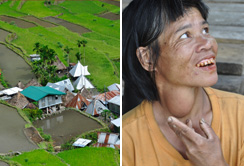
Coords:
pixel 142 23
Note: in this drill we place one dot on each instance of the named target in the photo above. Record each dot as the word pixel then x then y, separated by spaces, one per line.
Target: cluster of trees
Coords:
pixel 43 68
pixel 78 54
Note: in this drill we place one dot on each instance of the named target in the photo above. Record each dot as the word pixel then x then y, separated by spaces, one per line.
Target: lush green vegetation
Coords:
pixel 38 157
pixel 88 156
pixel 33 114
pixel 91 156
pixel 102 49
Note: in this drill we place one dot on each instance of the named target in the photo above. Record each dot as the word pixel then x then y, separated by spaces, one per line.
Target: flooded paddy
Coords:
pixel 12 137
pixel 3 35
pixel 70 26
pixel 110 16
pixel 39 21
pixel 2 163
pixel 66 125
pixel 14 67
pixel 20 23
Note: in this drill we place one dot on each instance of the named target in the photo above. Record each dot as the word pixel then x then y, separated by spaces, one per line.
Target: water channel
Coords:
pixel 66 125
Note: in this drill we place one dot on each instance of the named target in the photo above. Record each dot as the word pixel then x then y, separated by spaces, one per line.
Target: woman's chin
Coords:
pixel 211 81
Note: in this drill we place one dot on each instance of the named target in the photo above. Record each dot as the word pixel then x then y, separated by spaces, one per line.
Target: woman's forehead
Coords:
pixel 191 18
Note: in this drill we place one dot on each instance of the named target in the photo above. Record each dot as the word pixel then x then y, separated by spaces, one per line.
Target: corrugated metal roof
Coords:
pixel 116 122
pixel 81 142
pixel 37 93
pixel 109 95
pixel 115 100
pixel 61 85
pixel 78 102
pixel 114 86
pixel 10 91
pixel 95 108
pixel 107 140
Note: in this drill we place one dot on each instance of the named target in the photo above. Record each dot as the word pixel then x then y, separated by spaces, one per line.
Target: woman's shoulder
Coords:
pixel 136 113
pixel 220 94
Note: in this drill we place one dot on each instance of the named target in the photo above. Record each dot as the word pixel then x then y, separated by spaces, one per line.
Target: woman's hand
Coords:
pixel 201 151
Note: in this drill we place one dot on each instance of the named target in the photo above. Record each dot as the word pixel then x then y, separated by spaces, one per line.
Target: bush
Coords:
pixel 50 148
pixel 32 114
pixel 47 137
pixel 68 145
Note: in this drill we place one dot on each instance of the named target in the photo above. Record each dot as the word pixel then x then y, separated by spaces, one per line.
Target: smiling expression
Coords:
pixel 188 53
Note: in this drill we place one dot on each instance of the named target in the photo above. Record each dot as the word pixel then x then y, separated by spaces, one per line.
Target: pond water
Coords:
pixel 3 35
pixel 2 163
pixel 12 137
pixel 14 67
pixel 66 125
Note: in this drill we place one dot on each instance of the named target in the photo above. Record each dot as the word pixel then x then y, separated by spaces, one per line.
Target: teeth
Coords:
pixel 206 62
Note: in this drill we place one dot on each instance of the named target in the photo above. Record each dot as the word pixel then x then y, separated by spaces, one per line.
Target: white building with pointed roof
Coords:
pixel 83 81
pixel 79 70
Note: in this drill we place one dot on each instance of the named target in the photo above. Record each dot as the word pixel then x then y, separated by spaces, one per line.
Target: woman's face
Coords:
pixel 188 53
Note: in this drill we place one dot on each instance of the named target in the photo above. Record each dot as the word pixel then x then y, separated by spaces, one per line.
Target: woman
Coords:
pixel 169 58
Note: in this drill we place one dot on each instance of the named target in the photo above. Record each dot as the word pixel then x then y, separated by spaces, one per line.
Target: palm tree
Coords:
pixel 79 43
pixel 67 50
pixel 37 47
pixel 84 42
pixel 78 56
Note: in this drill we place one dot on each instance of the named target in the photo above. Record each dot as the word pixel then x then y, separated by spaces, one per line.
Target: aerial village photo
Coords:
pixel 59 83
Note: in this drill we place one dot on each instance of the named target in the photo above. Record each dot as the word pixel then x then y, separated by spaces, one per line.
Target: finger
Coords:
pixel 189 123
pixel 207 129
pixel 182 129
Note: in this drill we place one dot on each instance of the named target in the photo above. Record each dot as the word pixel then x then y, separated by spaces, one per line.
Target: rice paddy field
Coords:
pixel 65 22
pixel 88 156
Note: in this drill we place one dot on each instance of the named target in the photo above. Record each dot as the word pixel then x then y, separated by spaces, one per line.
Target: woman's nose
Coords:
pixel 204 43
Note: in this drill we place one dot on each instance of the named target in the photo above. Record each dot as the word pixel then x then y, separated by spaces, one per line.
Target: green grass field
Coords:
pixel 88 156
pixel 103 47
pixel 38 157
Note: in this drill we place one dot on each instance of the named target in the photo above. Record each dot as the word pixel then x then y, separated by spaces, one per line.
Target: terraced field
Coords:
pixel 97 22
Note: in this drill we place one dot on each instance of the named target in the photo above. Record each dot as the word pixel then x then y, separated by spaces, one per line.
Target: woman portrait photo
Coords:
pixel 169 65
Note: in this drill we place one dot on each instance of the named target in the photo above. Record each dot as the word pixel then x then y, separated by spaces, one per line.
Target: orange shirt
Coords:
pixel 143 144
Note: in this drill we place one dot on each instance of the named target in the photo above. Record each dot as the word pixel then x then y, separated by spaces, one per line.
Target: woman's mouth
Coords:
pixel 206 62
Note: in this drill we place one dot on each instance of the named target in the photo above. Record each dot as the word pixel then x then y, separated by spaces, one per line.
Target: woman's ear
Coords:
pixel 144 58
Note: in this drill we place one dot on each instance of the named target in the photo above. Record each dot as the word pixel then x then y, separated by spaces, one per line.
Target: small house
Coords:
pixel 79 70
pixel 59 65
pixel 95 108
pixel 114 105
pixel 62 86
pixel 35 57
pixel 104 97
pixel 114 87
pixel 48 99
pixel 78 102
pixel 7 94
pixel 81 82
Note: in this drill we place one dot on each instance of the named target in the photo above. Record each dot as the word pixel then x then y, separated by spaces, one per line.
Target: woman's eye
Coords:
pixel 205 31
pixel 184 36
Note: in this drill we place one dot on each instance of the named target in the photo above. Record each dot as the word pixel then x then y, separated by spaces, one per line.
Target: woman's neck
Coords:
pixel 183 103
